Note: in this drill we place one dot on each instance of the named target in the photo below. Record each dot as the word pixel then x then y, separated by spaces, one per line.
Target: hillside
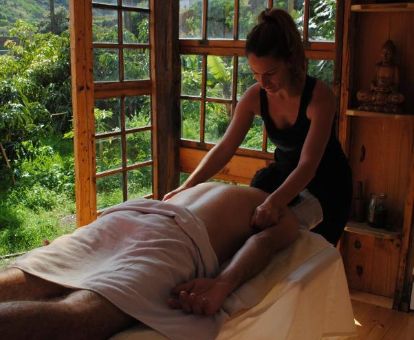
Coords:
pixel 30 10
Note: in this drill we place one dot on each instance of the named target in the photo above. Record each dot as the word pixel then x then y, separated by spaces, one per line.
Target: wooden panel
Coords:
pixel 165 75
pixel 381 158
pixel 371 263
pixel 83 103
pixel 240 169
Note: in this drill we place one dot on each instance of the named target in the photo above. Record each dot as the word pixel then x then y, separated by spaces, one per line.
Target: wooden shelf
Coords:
pixel 388 7
pixel 365 229
pixel 359 113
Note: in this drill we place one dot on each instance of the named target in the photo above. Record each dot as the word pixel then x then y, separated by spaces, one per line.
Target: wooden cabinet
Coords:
pixel 380 148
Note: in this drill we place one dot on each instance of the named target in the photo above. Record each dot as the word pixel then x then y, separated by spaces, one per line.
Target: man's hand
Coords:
pixel 200 296
pixel 266 215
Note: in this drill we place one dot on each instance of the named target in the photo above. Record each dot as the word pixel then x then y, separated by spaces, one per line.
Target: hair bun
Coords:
pixel 267 17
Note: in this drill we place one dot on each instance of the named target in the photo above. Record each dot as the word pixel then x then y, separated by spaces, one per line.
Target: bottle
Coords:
pixel 377 212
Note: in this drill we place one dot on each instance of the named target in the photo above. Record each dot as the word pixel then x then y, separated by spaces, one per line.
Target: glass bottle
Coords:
pixel 377 212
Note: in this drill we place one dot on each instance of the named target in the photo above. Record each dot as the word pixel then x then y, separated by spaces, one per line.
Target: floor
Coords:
pixel 375 322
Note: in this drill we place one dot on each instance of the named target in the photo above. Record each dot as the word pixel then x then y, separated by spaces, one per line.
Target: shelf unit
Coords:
pixel 380 148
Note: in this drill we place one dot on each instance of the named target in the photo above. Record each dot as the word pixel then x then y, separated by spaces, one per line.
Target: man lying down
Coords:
pixel 146 260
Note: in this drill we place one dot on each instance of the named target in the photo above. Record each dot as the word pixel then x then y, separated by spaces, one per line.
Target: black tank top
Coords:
pixel 289 141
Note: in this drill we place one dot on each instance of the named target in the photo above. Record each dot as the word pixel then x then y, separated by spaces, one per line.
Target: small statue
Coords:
pixel 383 95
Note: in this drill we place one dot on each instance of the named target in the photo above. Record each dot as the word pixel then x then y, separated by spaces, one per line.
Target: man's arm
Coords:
pixel 206 296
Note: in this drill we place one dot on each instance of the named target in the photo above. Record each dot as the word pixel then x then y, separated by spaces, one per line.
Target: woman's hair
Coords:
pixel 276 35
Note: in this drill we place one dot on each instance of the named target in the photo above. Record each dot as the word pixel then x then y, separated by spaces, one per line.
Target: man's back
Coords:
pixel 226 211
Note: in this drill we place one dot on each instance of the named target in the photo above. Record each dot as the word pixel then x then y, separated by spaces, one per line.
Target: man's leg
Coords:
pixel 80 315
pixel 18 285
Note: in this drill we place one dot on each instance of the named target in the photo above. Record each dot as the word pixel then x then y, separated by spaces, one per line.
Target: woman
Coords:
pixel 298 112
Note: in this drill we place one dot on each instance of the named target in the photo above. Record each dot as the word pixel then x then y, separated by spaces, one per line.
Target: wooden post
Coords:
pixel 83 102
pixel 165 76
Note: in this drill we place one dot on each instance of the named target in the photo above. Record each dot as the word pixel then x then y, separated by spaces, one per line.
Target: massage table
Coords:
pixel 302 294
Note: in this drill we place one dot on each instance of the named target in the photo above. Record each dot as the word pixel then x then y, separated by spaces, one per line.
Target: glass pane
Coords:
pixel 105 25
pixel 136 64
pixel 138 147
pixel 220 19
pixel 270 146
pixel 254 137
pixel 135 27
pixel 137 112
pixel 183 177
pixel 294 8
pixel 108 153
pixel 244 77
pixel 105 64
pixel 109 191
pixel 190 19
pixel 191 75
pixel 322 20
pixel 107 115
pixel 140 182
pixel 135 3
pixel 322 69
pixel 217 120
pixel 249 11
pixel 190 120
pixel 107 2
pixel 219 77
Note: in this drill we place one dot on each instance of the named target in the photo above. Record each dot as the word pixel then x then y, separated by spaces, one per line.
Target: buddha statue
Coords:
pixel 383 95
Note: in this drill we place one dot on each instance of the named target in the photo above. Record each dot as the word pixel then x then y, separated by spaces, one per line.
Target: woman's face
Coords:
pixel 272 74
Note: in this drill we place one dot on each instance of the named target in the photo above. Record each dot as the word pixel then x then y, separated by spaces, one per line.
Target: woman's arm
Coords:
pixel 321 112
pixel 222 152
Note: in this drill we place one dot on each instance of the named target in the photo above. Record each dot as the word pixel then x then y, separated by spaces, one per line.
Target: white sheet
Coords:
pixel 307 298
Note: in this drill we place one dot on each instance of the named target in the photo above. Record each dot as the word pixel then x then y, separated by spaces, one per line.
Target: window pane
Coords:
pixel 322 20
pixel 191 75
pixel 220 19
pixel 294 8
pixel 107 2
pixel 190 120
pixel 107 115
pixel 190 19
pixel 217 120
pixel 140 182
pixel 136 64
pixel 137 112
pixel 135 27
pixel 109 191
pixel 135 3
pixel 244 77
pixel 105 25
pixel 249 11
pixel 322 69
pixel 138 147
pixel 254 137
pixel 219 77
pixel 108 153
pixel 183 177
pixel 105 64
pixel 270 146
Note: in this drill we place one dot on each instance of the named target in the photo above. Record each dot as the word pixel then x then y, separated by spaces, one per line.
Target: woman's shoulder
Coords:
pixel 251 98
pixel 322 97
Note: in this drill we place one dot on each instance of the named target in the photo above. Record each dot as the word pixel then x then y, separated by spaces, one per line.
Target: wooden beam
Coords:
pixel 239 169
pixel 165 76
pixel 83 103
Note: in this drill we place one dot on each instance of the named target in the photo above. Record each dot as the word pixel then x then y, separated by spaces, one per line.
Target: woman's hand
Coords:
pixel 267 214
pixel 202 296
pixel 174 192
